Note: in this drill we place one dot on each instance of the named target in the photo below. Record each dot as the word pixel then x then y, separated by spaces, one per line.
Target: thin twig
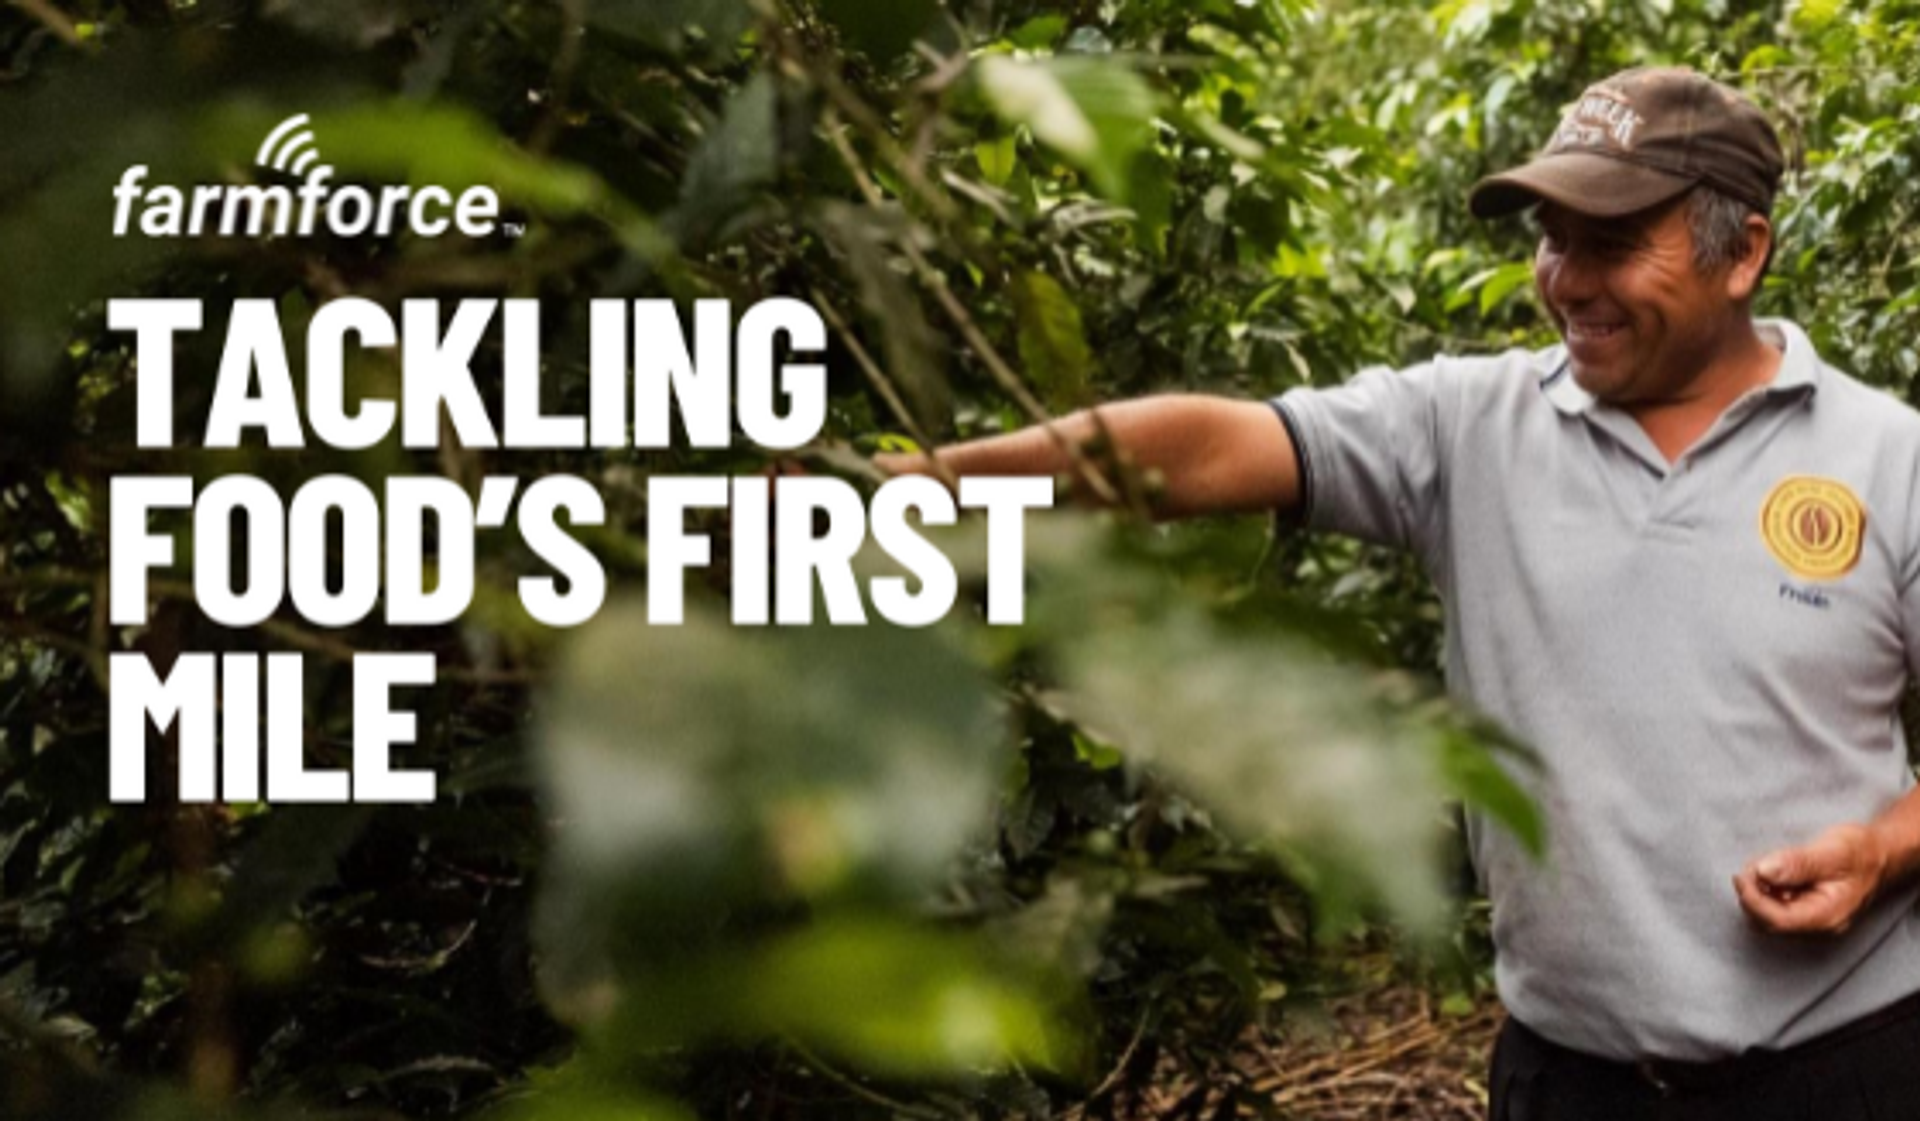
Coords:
pixel 1350 1071
pixel 1003 374
pixel 300 638
pixel 847 1083
pixel 1126 1056
pixel 883 385
pixel 99 638
pixel 566 59
pixel 54 20
pixel 47 578
pixel 28 632
pixel 851 106
pixel 913 173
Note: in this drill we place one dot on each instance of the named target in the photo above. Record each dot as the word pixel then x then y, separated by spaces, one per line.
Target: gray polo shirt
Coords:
pixel 1707 655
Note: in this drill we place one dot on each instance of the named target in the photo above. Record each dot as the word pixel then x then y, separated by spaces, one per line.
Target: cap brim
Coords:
pixel 1597 186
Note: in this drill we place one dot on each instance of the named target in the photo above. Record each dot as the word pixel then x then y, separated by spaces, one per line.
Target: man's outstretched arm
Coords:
pixel 1822 886
pixel 1214 455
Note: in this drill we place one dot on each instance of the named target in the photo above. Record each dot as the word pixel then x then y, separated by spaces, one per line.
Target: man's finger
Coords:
pixel 1786 868
pixel 906 463
pixel 1799 913
pixel 1773 912
pixel 1767 912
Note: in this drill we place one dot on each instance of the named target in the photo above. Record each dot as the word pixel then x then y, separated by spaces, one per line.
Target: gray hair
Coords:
pixel 1719 226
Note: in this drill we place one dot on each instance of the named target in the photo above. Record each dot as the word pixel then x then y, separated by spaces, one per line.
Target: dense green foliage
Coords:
pixel 706 871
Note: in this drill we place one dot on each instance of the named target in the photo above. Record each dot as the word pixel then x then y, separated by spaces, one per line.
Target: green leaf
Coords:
pixel 71 132
pixel 1063 928
pixel 1504 282
pixel 587 1088
pixel 1053 341
pixel 905 1000
pixel 1150 187
pixel 996 158
pixel 816 756
pixel 1764 57
pixel 1039 33
pixel 739 157
pixel 295 852
pixel 702 768
pixel 892 996
pixel 1286 749
pixel 915 360
pixel 882 29
pixel 1472 774
pixel 1096 114
pixel 419 144
pixel 58 252
pixel 1813 16
pixel 1099 756
pixel 1329 764
pixel 673 24
pixel 354 23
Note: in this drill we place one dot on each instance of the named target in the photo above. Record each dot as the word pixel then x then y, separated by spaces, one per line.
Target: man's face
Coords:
pixel 1640 322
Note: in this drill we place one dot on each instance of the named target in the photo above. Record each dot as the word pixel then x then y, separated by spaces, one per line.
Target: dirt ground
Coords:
pixel 1387 1052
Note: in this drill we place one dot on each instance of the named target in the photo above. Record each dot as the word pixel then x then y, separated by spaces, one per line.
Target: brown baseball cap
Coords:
pixel 1636 140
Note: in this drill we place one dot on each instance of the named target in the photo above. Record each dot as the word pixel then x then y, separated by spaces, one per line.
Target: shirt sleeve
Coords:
pixel 1371 455
pixel 1910 608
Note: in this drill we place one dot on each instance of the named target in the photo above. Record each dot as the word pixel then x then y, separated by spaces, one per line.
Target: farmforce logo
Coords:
pixel 313 205
pixel 1813 526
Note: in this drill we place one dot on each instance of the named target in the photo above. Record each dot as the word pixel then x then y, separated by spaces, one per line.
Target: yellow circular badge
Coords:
pixel 1813 526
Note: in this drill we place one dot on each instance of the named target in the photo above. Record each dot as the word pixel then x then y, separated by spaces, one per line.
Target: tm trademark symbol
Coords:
pixel 513 229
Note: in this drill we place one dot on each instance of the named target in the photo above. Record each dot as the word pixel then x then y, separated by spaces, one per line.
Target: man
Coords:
pixel 1681 556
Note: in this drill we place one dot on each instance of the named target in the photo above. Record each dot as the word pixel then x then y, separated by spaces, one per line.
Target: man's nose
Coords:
pixel 1572 277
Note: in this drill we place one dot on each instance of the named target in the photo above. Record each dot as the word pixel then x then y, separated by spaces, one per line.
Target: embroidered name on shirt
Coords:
pixel 1809 597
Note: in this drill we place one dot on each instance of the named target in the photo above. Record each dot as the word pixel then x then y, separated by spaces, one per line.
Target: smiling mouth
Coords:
pixel 1592 332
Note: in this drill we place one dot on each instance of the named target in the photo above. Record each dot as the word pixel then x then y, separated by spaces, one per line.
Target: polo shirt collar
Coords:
pixel 1799 371
pixel 1559 386
pixel 1799 365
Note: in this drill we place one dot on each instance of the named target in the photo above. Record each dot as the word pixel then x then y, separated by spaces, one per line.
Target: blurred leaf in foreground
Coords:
pixel 699 763
pixel 1097 114
pixel 708 777
pixel 899 998
pixel 1332 763
pixel 443 145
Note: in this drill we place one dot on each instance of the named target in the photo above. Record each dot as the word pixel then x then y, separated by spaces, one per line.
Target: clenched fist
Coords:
pixel 1817 888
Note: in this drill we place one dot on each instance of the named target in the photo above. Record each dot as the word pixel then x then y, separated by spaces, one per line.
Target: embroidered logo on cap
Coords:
pixel 1813 527
pixel 1602 119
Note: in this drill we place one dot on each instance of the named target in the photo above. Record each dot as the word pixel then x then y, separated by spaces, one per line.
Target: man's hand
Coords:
pixel 905 463
pixel 1817 888
pixel 1211 455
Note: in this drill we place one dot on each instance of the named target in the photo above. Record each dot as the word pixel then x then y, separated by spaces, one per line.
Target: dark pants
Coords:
pixel 1855 1075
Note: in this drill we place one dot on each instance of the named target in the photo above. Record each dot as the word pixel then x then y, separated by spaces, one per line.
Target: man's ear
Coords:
pixel 1743 279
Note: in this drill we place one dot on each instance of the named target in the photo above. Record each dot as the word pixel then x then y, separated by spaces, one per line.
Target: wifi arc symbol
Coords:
pixel 289 147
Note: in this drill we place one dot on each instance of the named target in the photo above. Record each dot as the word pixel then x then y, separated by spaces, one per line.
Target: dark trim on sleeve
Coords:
pixel 1302 462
